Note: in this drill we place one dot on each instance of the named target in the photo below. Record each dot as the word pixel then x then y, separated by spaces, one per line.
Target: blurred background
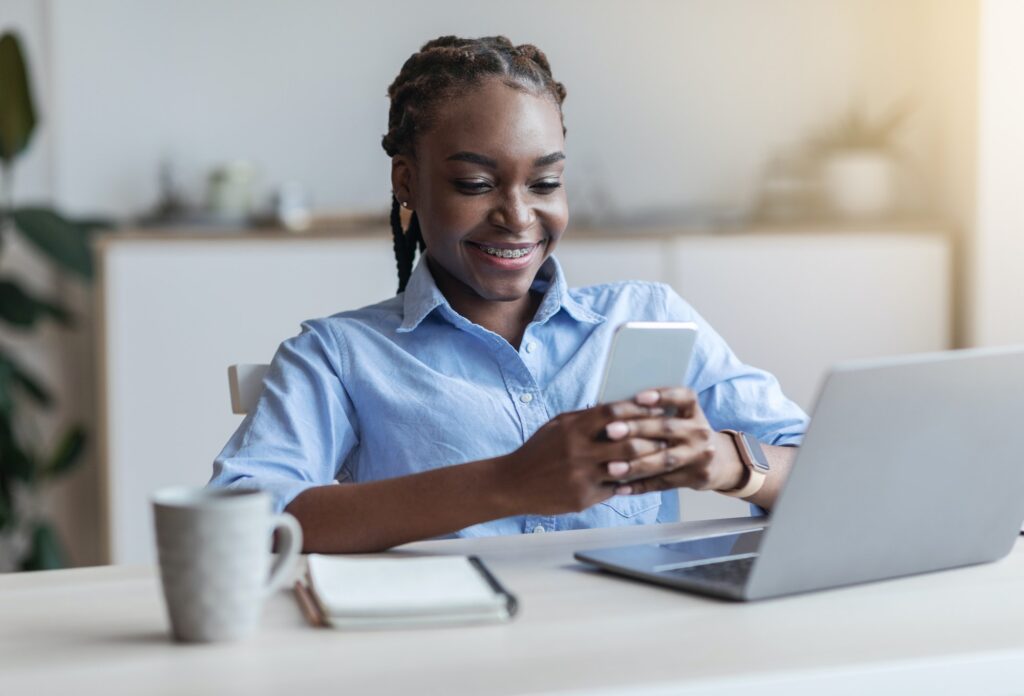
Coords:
pixel 822 179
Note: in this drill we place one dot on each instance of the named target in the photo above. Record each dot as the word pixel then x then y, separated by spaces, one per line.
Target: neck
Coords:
pixel 507 318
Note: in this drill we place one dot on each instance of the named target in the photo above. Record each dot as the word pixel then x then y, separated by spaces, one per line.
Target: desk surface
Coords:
pixel 104 630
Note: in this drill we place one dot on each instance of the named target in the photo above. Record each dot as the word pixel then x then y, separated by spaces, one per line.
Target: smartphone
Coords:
pixel 647 355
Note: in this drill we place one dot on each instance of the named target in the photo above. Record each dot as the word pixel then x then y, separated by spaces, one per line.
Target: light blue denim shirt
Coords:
pixel 408 385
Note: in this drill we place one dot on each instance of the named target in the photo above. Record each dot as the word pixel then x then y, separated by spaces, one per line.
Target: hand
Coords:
pixel 687 457
pixel 564 466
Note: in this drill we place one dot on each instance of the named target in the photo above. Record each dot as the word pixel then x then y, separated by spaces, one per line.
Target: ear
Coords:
pixel 403 179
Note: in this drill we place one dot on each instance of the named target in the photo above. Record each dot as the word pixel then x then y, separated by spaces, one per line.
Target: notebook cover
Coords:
pixel 316 617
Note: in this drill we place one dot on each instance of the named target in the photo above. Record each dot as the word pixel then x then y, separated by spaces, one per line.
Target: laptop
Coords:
pixel 910 465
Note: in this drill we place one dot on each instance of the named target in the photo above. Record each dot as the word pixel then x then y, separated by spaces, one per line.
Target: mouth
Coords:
pixel 504 254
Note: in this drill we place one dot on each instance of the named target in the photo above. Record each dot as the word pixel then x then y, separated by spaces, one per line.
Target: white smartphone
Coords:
pixel 647 355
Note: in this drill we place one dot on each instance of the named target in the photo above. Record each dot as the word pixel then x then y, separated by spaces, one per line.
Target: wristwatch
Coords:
pixel 753 459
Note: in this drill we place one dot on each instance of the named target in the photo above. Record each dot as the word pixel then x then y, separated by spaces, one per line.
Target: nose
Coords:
pixel 514 213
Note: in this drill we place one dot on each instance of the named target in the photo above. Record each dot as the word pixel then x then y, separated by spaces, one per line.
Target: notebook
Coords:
pixel 352 593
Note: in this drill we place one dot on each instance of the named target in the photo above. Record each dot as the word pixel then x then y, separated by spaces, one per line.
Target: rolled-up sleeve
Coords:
pixel 733 394
pixel 302 428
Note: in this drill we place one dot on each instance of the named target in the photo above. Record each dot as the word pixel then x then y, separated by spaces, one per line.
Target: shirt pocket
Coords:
pixel 634 506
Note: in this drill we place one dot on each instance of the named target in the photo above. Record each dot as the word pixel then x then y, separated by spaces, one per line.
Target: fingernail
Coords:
pixel 618 468
pixel 656 411
pixel 648 397
pixel 616 429
pixel 623 490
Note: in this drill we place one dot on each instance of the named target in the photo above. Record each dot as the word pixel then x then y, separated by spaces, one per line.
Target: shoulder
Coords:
pixel 382 317
pixel 639 299
pixel 334 335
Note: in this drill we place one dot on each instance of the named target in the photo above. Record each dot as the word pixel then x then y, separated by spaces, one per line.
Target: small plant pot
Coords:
pixel 859 184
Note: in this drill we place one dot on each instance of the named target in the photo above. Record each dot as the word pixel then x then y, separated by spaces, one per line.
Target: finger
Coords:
pixel 682 399
pixel 680 478
pixel 616 457
pixel 600 416
pixel 674 430
pixel 663 462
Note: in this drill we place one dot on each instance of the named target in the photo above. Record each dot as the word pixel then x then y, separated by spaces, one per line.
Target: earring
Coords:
pixel 405 204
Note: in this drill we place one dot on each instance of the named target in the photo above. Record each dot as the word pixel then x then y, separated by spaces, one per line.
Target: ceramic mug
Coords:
pixel 215 559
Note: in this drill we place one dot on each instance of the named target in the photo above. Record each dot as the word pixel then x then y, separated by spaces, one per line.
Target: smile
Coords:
pixel 506 256
pixel 507 253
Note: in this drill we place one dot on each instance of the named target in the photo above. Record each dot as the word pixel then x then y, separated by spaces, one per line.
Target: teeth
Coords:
pixel 507 253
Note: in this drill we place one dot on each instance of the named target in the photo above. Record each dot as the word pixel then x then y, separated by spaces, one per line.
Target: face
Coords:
pixel 486 185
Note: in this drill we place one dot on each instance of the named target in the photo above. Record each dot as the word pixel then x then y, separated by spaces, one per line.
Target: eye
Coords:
pixel 546 186
pixel 473 186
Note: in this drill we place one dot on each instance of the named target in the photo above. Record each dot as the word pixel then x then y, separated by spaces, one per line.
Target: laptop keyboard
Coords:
pixel 727 572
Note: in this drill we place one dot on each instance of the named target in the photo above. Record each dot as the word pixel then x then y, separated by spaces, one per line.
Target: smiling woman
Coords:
pixel 476 139
pixel 463 406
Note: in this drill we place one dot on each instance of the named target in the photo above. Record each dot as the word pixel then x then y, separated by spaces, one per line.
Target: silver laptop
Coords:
pixel 910 465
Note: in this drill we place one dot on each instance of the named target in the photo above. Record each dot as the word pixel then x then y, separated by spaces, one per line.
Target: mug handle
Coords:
pixel 290 543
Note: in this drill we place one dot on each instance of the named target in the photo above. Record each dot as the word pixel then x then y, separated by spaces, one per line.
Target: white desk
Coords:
pixel 103 630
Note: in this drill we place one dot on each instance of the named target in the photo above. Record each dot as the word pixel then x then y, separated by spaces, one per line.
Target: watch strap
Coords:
pixel 756 472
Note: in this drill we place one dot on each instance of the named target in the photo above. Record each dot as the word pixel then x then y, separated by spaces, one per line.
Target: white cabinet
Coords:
pixel 176 311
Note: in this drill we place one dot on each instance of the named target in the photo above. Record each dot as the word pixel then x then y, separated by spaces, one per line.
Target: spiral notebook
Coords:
pixel 360 593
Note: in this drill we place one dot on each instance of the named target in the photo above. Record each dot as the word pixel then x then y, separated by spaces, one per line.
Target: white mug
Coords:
pixel 215 560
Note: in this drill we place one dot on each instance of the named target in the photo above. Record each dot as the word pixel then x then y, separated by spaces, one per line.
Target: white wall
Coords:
pixel 670 103
pixel 998 250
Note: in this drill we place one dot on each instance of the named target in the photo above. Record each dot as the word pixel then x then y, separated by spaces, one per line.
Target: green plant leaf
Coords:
pixel 15 462
pixel 62 240
pixel 90 225
pixel 6 509
pixel 19 308
pixel 6 384
pixel 46 552
pixel 12 374
pixel 17 112
pixel 67 452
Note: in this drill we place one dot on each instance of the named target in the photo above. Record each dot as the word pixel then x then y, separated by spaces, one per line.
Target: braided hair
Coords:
pixel 443 68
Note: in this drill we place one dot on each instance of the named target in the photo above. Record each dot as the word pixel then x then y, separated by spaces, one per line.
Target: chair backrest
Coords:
pixel 246 384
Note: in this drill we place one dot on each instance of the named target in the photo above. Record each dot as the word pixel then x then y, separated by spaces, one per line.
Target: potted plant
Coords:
pixel 27 539
pixel 859 165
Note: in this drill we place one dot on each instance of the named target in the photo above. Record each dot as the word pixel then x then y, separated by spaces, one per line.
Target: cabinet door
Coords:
pixel 797 304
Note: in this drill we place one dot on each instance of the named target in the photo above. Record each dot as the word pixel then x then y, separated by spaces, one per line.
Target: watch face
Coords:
pixel 757 455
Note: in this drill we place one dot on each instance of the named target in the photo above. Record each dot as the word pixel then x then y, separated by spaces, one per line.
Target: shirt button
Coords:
pixel 530 345
pixel 526 398
pixel 539 529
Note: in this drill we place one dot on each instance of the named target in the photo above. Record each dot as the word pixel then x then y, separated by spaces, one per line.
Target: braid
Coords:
pixel 441 69
pixel 405 243
pixel 402 257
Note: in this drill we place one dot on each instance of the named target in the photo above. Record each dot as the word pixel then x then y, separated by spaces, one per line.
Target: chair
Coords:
pixel 246 385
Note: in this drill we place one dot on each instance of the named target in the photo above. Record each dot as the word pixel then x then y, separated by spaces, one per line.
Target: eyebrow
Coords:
pixel 476 158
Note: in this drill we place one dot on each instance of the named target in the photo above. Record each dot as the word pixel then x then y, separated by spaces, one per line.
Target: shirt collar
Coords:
pixel 422 296
pixel 551 281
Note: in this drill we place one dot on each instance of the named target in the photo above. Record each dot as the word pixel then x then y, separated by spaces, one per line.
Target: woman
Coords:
pixel 458 407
